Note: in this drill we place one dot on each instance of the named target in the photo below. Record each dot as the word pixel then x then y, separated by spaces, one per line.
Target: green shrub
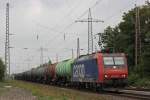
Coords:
pixel 133 77
pixel 2 70
pixel 143 82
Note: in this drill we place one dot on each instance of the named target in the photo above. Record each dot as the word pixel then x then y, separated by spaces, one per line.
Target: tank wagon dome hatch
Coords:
pixel 63 69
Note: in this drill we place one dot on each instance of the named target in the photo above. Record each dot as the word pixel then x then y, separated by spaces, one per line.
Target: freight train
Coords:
pixel 95 70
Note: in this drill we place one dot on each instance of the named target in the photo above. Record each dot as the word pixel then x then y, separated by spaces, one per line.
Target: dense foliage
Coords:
pixel 2 70
pixel 122 39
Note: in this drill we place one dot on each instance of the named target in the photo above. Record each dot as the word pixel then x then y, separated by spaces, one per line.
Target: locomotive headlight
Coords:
pixel 114 67
pixel 123 75
pixel 106 76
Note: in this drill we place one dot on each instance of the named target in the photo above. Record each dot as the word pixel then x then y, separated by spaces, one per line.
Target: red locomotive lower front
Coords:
pixel 115 73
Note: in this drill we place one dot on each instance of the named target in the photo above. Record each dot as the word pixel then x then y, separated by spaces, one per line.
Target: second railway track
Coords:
pixel 141 95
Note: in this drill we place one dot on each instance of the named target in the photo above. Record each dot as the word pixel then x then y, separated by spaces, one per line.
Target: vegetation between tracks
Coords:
pixel 46 92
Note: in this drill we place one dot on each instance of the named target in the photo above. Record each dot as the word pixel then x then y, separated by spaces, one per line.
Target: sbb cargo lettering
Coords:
pixel 79 71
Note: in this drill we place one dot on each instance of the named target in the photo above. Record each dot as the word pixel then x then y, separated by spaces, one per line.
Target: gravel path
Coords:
pixel 14 93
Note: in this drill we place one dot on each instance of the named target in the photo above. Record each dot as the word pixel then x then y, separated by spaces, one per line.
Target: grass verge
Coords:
pixel 45 92
pixel 2 87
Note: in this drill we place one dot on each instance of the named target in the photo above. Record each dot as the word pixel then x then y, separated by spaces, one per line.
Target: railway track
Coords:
pixel 137 94
pixel 130 93
pixel 137 89
pixel 134 94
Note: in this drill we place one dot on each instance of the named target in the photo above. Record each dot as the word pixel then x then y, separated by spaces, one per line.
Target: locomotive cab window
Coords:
pixel 119 60
pixel 108 61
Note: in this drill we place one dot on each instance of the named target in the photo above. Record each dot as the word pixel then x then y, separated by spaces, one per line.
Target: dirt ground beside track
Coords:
pixel 14 93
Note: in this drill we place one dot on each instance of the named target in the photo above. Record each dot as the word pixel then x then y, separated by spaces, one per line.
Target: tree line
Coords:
pixel 121 38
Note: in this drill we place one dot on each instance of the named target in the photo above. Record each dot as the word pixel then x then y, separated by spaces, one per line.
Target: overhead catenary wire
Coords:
pixel 69 13
pixel 114 14
pixel 56 30
pixel 68 26
pixel 62 32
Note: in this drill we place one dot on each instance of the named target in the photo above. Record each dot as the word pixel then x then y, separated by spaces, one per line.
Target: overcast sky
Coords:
pixel 50 20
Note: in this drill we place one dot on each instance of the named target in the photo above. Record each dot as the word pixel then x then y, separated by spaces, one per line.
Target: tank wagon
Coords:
pixel 64 71
pixel 50 75
pixel 94 71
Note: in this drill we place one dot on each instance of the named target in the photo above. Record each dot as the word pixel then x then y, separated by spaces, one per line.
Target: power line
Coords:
pixel 68 14
pixel 62 32
pixel 90 20
pixel 58 35
pixel 68 26
pixel 94 20
pixel 96 3
pixel 116 13
pixel 87 10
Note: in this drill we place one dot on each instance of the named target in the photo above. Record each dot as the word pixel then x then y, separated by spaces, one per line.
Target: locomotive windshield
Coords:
pixel 108 61
pixel 111 61
pixel 119 60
